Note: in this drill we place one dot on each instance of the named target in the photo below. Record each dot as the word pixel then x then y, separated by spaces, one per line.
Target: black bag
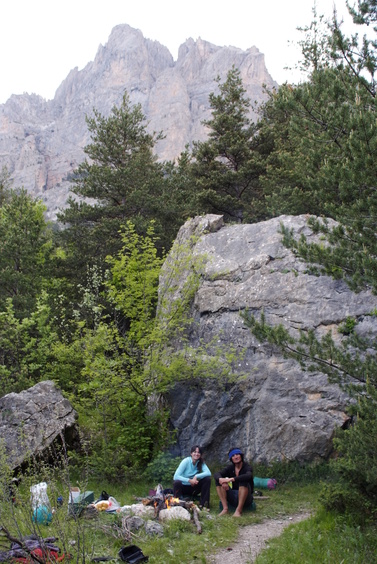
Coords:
pixel 132 554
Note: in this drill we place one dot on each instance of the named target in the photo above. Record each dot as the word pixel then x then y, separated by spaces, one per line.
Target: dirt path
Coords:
pixel 253 539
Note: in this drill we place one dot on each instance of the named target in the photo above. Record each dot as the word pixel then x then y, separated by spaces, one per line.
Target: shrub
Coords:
pixel 293 471
pixel 161 469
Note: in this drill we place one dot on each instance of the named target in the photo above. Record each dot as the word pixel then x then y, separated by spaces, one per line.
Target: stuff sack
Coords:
pixel 265 483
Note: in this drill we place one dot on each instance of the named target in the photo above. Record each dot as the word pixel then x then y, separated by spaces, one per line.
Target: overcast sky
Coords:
pixel 42 40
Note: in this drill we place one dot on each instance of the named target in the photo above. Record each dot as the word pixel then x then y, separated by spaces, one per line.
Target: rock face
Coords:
pixel 276 411
pixel 41 141
pixel 31 420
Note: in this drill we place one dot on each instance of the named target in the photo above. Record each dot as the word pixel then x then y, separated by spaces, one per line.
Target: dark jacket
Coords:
pixel 244 478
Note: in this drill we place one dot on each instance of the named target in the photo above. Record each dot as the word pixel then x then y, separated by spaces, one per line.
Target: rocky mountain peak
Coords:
pixel 41 141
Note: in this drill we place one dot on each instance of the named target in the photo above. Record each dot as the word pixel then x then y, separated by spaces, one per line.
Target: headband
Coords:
pixel 233 452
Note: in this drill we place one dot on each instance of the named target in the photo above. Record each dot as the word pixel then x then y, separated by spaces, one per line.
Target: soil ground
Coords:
pixel 253 539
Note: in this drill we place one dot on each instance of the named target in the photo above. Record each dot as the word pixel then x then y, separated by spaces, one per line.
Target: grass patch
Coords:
pixel 181 542
pixel 323 538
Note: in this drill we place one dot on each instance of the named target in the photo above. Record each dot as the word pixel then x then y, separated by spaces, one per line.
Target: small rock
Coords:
pixel 142 510
pixel 152 528
pixel 134 523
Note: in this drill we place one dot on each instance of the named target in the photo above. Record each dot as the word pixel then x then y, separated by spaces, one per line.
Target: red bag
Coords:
pixel 45 556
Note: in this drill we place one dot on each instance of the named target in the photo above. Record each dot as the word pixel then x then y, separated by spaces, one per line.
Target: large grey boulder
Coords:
pixel 276 411
pixel 31 420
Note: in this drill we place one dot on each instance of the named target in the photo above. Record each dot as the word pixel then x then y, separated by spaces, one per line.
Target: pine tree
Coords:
pixel 227 166
pixel 5 185
pixel 120 180
pixel 25 249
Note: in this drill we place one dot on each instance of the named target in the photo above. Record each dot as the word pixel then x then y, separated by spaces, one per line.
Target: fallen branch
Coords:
pixel 118 532
pixel 195 516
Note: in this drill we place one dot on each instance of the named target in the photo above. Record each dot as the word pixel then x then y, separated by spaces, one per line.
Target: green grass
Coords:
pixel 181 542
pixel 325 538
pixel 322 538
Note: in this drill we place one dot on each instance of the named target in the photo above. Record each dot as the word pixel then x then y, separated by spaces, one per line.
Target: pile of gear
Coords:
pixel 31 549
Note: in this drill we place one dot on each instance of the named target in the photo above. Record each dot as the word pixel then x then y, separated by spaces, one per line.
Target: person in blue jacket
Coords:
pixel 193 477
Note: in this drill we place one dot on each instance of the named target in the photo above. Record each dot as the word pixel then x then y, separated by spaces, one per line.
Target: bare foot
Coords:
pixel 237 514
pixel 224 512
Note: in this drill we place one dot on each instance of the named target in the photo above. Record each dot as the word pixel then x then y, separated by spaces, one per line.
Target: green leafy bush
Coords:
pixel 340 497
pixel 348 326
pixel 161 469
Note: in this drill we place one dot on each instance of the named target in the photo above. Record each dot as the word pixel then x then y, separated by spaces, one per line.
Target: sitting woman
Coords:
pixel 193 477
pixel 235 483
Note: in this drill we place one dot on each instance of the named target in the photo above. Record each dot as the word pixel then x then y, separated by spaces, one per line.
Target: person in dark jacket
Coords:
pixel 235 483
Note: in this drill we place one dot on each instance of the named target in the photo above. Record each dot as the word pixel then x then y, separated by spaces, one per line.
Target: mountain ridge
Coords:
pixel 42 141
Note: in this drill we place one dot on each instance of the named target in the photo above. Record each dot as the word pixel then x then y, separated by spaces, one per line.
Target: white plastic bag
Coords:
pixel 40 503
pixel 39 495
pixel 113 504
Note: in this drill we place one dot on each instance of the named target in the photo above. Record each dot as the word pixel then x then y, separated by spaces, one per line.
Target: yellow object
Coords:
pixel 102 505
